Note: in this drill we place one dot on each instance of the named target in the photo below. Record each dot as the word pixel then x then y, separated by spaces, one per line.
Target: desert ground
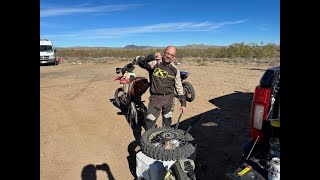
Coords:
pixel 84 136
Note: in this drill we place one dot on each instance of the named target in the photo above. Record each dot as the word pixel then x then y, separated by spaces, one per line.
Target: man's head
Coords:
pixel 169 54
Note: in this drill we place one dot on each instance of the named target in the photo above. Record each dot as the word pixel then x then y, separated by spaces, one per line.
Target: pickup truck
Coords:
pixel 261 154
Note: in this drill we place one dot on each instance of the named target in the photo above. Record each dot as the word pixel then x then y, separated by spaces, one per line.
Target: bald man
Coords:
pixel 164 81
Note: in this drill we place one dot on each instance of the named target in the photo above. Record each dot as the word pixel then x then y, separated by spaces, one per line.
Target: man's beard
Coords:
pixel 165 62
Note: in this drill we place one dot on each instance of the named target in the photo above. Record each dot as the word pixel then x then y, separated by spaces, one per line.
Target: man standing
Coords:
pixel 164 80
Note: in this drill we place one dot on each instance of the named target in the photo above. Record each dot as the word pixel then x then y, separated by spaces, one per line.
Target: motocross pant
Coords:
pixel 158 104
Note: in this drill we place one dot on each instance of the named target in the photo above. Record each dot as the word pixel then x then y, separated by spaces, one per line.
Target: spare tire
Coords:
pixel 167 144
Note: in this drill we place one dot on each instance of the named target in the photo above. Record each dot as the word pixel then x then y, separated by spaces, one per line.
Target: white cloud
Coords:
pixel 108 33
pixel 47 12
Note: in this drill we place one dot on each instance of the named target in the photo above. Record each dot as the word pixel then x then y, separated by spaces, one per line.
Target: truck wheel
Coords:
pixel 167 144
pixel 189 91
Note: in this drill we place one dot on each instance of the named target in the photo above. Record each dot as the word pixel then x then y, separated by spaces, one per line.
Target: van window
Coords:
pixel 45 48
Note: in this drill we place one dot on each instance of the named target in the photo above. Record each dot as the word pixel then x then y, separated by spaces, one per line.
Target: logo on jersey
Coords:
pixel 161 73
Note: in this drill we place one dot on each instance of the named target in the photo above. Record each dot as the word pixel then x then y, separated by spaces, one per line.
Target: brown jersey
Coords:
pixel 164 78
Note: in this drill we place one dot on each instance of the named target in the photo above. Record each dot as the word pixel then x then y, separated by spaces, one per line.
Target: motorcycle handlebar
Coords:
pixel 127 68
pixel 130 66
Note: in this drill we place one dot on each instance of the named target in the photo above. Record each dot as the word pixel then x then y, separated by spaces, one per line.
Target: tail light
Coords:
pixel 259 111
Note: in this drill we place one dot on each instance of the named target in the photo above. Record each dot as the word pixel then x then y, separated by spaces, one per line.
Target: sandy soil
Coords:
pixel 83 135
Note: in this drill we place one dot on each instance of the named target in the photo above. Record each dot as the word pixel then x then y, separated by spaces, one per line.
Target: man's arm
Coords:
pixel 179 88
pixel 147 61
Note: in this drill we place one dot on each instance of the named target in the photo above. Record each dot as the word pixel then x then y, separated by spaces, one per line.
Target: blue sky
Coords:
pixel 159 23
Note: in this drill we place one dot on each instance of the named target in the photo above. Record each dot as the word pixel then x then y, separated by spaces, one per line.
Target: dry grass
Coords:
pixel 238 53
pixel 187 60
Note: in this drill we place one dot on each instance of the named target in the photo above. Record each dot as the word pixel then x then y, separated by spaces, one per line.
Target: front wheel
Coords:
pixel 167 144
pixel 189 91
pixel 120 99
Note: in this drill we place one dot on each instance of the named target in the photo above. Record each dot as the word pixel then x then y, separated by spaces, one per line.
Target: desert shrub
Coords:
pixel 234 51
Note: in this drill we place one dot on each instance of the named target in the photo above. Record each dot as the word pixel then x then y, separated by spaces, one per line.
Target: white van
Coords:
pixel 47 52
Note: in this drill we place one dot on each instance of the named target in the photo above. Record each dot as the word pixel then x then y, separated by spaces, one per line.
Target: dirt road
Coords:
pixel 84 136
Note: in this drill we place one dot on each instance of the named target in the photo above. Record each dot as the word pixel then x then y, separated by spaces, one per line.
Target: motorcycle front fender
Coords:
pixel 117 78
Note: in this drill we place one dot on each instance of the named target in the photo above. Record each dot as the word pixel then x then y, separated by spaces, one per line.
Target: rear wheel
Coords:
pixel 189 91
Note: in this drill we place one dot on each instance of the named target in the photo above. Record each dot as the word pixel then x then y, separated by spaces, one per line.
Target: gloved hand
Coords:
pixel 148 58
pixel 137 59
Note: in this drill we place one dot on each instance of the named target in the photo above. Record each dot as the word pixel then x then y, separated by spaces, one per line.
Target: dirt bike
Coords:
pixel 128 96
pixel 187 87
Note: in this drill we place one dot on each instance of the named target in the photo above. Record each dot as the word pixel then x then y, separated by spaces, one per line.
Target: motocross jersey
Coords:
pixel 164 78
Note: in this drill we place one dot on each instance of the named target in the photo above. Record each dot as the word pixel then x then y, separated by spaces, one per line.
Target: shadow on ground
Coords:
pixel 48 64
pixel 89 172
pixel 220 134
pixel 132 150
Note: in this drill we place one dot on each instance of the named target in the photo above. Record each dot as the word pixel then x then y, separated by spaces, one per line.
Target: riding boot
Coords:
pixel 150 124
pixel 167 122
